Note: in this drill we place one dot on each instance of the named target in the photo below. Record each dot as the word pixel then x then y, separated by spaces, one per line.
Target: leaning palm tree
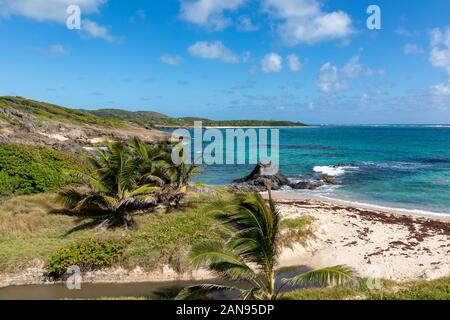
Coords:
pixel 116 191
pixel 248 254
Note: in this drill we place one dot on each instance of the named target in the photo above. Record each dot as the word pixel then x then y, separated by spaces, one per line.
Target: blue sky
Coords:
pixel 308 60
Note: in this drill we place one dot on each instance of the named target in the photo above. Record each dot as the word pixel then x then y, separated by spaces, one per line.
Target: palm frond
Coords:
pixel 336 276
pixel 221 260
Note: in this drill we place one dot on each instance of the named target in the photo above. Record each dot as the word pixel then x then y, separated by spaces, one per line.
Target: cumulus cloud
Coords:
pixel 213 51
pixel 53 50
pixel 57 49
pixel 364 98
pixel 412 48
pixel 93 30
pixel 294 63
pixel 245 24
pixel 171 60
pixel 56 11
pixel 330 80
pixel 271 62
pixel 353 68
pixel 440 49
pixel 333 79
pixel 442 89
pixel 47 10
pixel 304 21
pixel 209 13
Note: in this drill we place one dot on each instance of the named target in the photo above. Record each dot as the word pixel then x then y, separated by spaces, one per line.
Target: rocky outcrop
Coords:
pixel 266 172
pixel 20 125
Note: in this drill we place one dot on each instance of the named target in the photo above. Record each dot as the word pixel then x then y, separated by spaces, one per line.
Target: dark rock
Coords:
pixel 307 185
pixel 261 174
pixel 266 172
pixel 329 179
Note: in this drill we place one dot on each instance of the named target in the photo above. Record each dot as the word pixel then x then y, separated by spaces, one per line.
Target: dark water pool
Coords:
pixel 149 290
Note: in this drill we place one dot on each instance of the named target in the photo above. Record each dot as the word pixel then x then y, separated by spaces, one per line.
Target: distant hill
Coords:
pixel 140 117
pixel 155 119
pixel 32 122
pixel 38 123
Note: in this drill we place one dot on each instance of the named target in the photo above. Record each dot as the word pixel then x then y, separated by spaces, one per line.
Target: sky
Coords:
pixel 314 61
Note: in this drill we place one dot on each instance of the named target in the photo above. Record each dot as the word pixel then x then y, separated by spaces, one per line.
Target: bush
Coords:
pixel 28 170
pixel 89 255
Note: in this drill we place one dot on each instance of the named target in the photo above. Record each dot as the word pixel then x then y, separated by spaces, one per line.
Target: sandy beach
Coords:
pixel 376 243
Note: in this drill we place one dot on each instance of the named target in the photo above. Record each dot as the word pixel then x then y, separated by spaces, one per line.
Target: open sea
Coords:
pixel 405 167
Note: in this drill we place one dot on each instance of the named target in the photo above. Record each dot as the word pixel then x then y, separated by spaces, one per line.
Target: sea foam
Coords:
pixel 332 171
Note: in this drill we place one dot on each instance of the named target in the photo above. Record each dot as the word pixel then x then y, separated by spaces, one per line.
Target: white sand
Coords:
pixel 375 243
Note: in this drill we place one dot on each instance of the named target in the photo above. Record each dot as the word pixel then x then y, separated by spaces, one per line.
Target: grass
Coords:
pixel 391 290
pixel 29 234
pixel 297 230
pixel 47 111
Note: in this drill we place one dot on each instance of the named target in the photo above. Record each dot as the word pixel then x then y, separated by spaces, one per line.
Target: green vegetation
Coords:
pixel 88 255
pixel 119 118
pixel 130 178
pixel 29 170
pixel 149 118
pixel 30 232
pixel 391 290
pixel 46 111
pixel 296 230
pixel 248 253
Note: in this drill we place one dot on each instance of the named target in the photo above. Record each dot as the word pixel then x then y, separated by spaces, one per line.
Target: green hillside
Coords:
pixel 47 111
pixel 118 117
pixel 150 118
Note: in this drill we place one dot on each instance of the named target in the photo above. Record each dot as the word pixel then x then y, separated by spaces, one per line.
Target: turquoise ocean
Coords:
pixel 405 167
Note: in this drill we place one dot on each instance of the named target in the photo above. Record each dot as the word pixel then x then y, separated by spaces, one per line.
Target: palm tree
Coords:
pixel 120 187
pixel 178 176
pixel 248 254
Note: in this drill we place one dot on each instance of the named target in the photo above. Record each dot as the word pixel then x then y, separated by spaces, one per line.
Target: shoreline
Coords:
pixel 403 245
pixel 237 127
pixel 419 213
pixel 375 243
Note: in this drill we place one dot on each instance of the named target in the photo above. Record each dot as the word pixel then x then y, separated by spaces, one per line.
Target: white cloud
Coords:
pixel 364 98
pixel 55 11
pixel 294 63
pixel 209 13
pixel 442 89
pixel 57 49
pixel 374 72
pixel 353 68
pixel 214 51
pixel 332 79
pixel 94 30
pixel 304 21
pixel 47 10
pixel 272 62
pixel 440 49
pixel 245 24
pixel 329 80
pixel 52 50
pixel 171 60
pixel 401 31
pixel 139 14
pixel 412 48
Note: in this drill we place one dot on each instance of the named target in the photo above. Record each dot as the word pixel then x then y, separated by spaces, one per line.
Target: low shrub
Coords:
pixel 88 255
pixel 28 170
